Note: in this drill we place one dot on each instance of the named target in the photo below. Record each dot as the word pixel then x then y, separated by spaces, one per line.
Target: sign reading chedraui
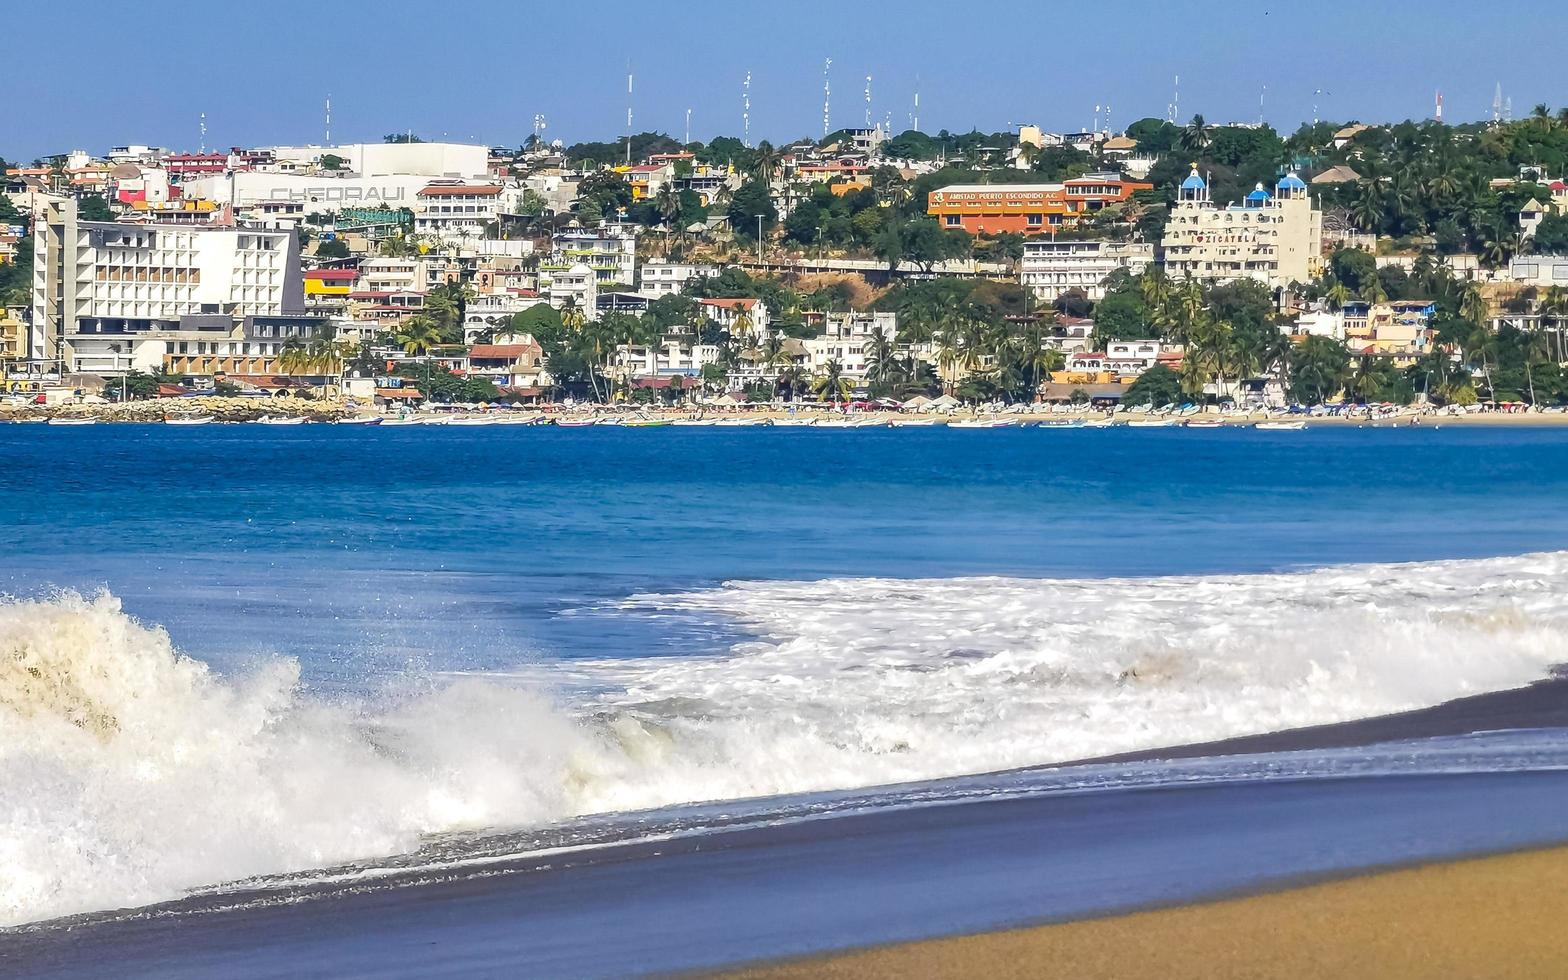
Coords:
pixel 335 194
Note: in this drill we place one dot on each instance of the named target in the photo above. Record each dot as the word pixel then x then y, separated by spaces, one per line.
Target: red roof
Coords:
pixel 460 190
pixel 730 304
pixel 500 351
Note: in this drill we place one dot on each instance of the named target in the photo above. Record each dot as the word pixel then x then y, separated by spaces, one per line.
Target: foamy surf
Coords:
pixel 130 774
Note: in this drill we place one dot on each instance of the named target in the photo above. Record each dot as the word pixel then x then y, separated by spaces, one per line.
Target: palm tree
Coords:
pixel 668 204
pixel 420 335
pixel 1196 136
pixel 1338 295
pixel 764 161
pixel 832 384
pixel 881 361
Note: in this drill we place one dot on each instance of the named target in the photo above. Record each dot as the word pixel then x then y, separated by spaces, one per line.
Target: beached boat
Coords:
pixel 408 421
pixel 795 423
pixel 27 421
pixel 63 421
pixel 645 423
pixel 576 423
pixel 1153 423
pixel 695 423
pixel 1295 425
pixel 360 420
pixel 838 424
pixel 732 423
pixel 1062 424
pixel 983 424
pixel 1205 423
pixel 269 420
pixel 193 420
pixel 1102 423
pixel 469 420
pixel 916 423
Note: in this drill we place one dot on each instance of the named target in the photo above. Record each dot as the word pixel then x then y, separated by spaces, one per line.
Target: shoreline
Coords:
pixel 249 410
pixel 1492 916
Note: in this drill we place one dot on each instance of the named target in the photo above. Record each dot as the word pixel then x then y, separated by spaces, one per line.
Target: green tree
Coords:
pixel 1159 385
pixel 1319 368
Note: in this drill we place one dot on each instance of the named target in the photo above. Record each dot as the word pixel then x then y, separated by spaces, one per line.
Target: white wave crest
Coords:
pixel 129 773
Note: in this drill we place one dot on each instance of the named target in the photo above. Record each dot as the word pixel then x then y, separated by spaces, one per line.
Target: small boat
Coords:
pixel 795 423
pixel 743 422
pixel 518 420
pixel 269 420
pixel 1205 423
pixel 1062 424
pixel 983 424
pixel 191 420
pixel 614 420
pixel 470 420
pixel 407 421
pixel 838 424
pixel 695 423
pixel 644 423
pixel 916 423
pixel 77 421
pixel 1292 426
pixel 576 423
pixel 360 420
pixel 26 421
pixel 1153 423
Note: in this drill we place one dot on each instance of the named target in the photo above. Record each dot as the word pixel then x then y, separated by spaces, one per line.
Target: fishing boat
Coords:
pixel 695 423
pixel 1062 424
pixel 1153 423
pixel 269 420
pixel 838 424
pixel 407 421
pixel 795 423
pixel 743 422
pixel 645 423
pixel 916 423
pixel 1295 425
pixel 360 420
pixel 1205 423
pixel 471 420
pixel 82 421
pixel 191 420
pixel 26 421
pixel 1102 423
pixel 576 423
pixel 983 424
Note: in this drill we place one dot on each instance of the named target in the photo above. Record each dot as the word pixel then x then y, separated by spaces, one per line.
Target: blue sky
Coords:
pixel 93 73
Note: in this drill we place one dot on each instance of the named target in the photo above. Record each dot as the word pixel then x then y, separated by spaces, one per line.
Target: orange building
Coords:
pixel 1027 209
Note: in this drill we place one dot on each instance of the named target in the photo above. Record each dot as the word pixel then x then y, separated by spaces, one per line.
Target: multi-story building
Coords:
pixel 450 211
pixel 1051 267
pixel 576 288
pixel 391 275
pixel 745 319
pixel 110 297
pixel 1027 209
pixel 846 337
pixel 609 250
pixel 664 278
pixel 492 312
pixel 1275 239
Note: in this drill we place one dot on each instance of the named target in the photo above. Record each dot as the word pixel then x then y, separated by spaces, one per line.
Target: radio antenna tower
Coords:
pixel 329 119
pixel 914 118
pixel 745 111
pixel 203 127
pixel 1173 111
pixel 868 101
pixel 827 98
pixel 688 127
pixel 1497 104
pixel 628 115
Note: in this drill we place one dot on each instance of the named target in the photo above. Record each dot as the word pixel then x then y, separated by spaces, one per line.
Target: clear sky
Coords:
pixel 92 73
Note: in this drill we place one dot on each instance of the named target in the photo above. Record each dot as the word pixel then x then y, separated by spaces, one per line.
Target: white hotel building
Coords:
pixel 1275 239
pixel 110 298
pixel 1053 267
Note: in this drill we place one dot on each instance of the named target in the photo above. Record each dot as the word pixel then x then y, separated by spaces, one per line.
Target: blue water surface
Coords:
pixel 362 550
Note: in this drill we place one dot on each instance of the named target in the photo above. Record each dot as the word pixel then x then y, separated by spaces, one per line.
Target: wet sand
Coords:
pixel 1488 917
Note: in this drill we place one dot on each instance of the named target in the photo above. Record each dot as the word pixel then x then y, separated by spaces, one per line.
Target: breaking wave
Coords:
pixel 130 773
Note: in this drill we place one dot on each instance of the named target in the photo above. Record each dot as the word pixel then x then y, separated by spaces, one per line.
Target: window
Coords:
pixel 954 221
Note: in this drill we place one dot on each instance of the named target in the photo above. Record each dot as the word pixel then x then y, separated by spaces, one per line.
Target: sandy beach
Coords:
pixel 1489 917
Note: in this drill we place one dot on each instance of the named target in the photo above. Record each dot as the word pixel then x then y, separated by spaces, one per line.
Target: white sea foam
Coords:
pixel 129 773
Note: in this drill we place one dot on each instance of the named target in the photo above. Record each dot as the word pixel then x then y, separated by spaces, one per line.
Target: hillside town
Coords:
pixel 1170 263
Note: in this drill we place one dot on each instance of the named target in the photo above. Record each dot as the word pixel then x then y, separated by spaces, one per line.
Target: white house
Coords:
pixel 1052 267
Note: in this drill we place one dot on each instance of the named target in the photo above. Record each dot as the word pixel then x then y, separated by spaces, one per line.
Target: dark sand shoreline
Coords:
pixel 1498 916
